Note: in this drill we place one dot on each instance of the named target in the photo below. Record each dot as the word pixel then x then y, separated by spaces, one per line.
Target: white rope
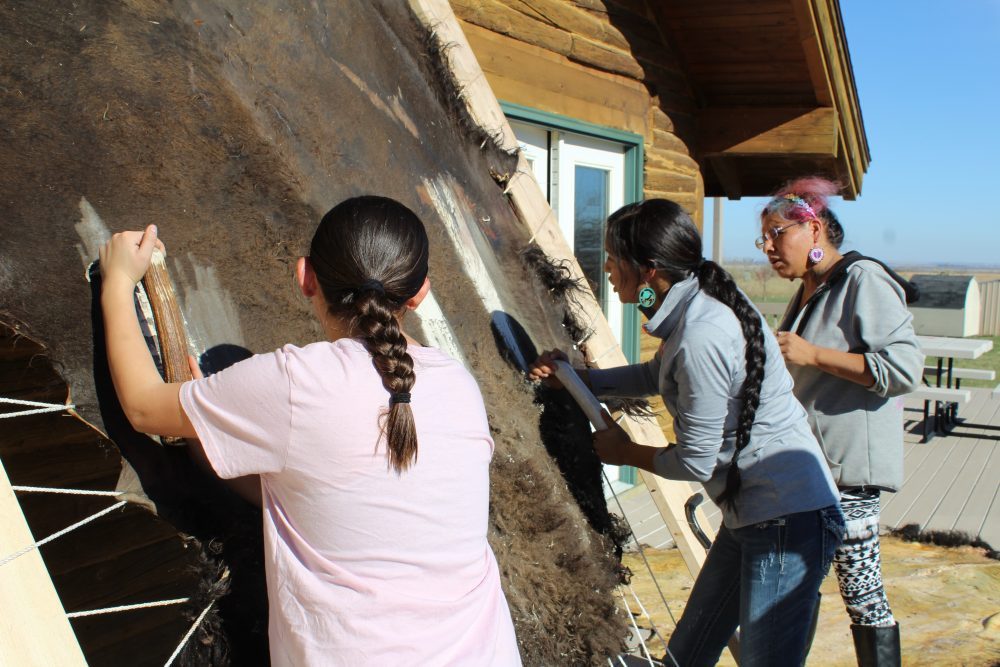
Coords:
pixel 105 610
pixel 652 624
pixel 126 607
pixel 39 407
pixel 649 568
pixel 635 627
pixel 194 626
pixel 603 354
pixel 72 492
pixel 35 545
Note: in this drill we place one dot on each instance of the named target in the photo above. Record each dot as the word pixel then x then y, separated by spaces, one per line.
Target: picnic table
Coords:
pixel 946 394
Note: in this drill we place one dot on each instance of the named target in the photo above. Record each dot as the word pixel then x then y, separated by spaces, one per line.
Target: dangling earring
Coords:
pixel 647 297
pixel 816 255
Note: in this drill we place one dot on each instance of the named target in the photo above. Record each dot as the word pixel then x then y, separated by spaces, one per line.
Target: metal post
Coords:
pixel 717 230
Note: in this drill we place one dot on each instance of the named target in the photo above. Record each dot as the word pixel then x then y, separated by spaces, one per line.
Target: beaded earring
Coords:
pixel 647 297
pixel 816 255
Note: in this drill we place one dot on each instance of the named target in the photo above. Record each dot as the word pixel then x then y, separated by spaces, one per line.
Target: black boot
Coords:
pixel 876 646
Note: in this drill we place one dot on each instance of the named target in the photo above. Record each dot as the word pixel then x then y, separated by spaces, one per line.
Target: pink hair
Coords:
pixel 813 190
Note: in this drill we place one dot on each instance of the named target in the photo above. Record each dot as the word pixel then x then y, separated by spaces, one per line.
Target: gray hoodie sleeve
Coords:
pixel 632 381
pixel 885 326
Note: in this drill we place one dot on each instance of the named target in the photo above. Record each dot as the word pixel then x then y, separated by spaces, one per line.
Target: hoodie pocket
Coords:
pixel 833 459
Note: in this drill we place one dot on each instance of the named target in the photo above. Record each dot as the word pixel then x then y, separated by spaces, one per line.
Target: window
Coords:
pixel 585 180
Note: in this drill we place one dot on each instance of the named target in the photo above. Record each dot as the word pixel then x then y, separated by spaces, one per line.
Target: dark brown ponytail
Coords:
pixel 657 233
pixel 370 258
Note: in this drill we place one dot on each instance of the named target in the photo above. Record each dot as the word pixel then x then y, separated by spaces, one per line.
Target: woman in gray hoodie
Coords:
pixel 739 431
pixel 849 344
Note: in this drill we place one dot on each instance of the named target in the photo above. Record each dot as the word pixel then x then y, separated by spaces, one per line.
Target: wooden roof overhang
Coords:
pixel 774 89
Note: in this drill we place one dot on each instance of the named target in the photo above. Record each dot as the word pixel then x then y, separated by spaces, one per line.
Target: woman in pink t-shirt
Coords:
pixel 370 452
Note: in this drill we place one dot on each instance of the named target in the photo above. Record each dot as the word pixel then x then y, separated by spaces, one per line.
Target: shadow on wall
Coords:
pixel 565 432
pixel 196 502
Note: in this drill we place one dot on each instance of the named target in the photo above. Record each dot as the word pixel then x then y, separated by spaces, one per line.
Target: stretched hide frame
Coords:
pixel 233 127
pixel 57 463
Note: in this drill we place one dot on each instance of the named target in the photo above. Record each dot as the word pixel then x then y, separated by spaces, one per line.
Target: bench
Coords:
pixel 956 374
pixel 942 394
pixel 960 374
pixel 943 397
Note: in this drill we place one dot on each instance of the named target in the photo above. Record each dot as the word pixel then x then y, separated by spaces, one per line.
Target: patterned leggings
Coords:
pixel 857 561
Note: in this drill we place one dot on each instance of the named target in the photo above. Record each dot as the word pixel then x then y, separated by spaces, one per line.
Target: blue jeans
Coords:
pixel 764 578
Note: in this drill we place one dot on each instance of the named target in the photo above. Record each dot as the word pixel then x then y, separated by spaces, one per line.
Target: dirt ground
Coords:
pixel 947 602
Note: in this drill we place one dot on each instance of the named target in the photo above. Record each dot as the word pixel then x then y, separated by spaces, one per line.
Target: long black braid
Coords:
pixel 370 257
pixel 717 283
pixel 657 233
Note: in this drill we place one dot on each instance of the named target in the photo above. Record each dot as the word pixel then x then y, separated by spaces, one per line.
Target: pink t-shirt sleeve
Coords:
pixel 243 415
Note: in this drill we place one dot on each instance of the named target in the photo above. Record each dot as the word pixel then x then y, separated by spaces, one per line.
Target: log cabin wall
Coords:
pixel 597 61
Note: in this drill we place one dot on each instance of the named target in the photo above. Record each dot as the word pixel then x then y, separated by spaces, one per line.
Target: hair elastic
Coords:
pixel 399 397
pixel 372 285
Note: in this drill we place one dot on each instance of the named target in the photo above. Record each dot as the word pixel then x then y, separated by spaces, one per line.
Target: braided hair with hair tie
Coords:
pixel 717 283
pixel 370 257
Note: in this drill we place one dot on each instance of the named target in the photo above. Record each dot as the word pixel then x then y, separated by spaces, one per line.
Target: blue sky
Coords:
pixel 928 79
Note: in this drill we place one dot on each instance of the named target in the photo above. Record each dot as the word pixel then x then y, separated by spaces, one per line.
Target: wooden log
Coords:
pixel 660 120
pixel 498 17
pixel 532 76
pixel 671 161
pixel 662 180
pixel 668 141
pixel 575 20
pixel 603 57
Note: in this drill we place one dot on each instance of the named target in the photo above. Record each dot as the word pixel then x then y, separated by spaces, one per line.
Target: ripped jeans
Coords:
pixel 764 578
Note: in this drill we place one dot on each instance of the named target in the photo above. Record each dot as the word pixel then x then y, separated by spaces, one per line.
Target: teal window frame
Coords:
pixel 634 157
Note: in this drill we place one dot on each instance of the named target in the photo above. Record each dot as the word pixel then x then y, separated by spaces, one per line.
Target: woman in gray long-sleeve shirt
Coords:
pixel 739 430
pixel 851 349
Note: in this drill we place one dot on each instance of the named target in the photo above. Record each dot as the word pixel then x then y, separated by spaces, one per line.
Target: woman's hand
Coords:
pixel 544 368
pixel 613 445
pixel 796 350
pixel 127 255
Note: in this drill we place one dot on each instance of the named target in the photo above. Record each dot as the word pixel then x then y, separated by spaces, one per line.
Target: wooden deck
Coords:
pixel 951 483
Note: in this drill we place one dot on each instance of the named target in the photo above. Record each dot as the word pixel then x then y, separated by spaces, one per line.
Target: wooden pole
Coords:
pixel 170 330
pixel 34 629
pixel 169 321
pixel 717 230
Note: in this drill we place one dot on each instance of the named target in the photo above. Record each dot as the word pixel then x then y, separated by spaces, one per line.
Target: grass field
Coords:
pixel 762 285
